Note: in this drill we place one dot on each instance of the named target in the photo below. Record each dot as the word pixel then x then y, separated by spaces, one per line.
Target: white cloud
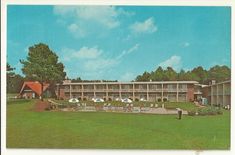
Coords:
pixel 89 53
pixel 84 20
pixel 105 15
pixel 64 10
pixel 185 44
pixel 93 60
pixel 100 64
pixel 128 76
pixel 148 26
pixel 132 49
pixel 83 53
pixel 76 30
pixel 174 62
pixel 127 38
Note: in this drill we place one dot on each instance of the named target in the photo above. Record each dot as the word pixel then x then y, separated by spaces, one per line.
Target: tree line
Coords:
pixel 203 76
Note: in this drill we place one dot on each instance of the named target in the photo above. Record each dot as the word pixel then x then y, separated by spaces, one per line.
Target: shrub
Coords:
pixel 164 99
pixel 219 112
pixel 159 99
pixel 192 112
pixel 202 112
pixel 47 108
pixel 137 99
pixel 209 111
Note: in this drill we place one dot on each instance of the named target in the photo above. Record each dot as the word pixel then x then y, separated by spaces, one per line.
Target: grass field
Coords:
pixel 29 129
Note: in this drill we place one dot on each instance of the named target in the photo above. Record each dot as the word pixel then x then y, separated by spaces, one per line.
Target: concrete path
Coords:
pixel 147 110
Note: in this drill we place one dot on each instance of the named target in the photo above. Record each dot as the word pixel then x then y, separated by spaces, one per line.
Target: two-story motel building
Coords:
pixel 218 93
pixel 177 91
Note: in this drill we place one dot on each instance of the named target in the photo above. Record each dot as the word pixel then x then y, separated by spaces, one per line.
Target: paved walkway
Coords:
pixel 164 111
pixel 148 110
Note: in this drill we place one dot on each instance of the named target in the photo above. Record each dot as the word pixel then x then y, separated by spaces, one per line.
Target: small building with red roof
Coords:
pixel 32 89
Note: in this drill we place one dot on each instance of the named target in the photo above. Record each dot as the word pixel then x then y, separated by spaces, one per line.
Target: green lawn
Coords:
pixel 29 129
pixel 182 105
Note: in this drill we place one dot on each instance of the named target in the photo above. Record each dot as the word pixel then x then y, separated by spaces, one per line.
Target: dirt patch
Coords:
pixel 41 105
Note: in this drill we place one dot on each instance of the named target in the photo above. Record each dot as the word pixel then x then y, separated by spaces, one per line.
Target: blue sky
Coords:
pixel 120 42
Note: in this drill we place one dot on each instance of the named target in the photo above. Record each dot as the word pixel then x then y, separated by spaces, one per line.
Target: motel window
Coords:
pixel 113 86
pixel 158 86
pixel 100 86
pixel 171 86
pixel 88 87
pixel 142 86
pixel 152 86
pixel 126 87
pixel 182 86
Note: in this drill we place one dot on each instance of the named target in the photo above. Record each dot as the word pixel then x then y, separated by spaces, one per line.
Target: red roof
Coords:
pixel 34 86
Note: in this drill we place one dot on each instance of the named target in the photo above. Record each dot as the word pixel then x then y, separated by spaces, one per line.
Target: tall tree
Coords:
pixel 42 65
pixel 200 74
pixel 9 68
pixel 170 74
pixel 144 77
pixel 14 81
pixel 78 79
pixel 219 73
pixel 158 74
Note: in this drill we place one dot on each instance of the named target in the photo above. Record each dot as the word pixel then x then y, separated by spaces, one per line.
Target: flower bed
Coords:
pixel 206 111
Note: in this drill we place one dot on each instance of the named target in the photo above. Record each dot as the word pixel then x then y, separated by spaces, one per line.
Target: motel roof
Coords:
pixel 223 82
pixel 35 86
pixel 147 82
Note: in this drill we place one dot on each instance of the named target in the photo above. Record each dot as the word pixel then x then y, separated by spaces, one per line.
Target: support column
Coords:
pixel 177 92
pixel 106 92
pixel 147 92
pixel 223 95
pixel 133 91
pixel 94 87
pixel 217 94
pixel 162 93
pixel 82 93
pixel 212 98
pixel 70 91
pixel 58 91
pixel 120 96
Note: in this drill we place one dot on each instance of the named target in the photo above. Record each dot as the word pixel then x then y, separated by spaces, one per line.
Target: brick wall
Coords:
pixel 190 92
